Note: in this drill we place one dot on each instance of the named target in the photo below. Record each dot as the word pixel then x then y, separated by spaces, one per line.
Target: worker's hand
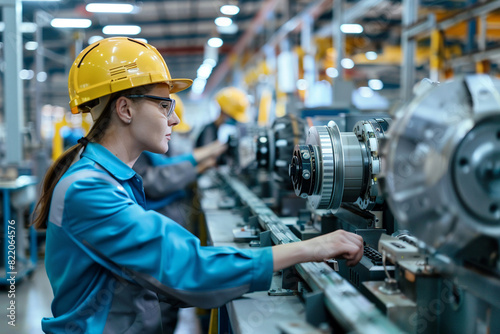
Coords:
pixel 206 164
pixel 338 244
pixel 212 150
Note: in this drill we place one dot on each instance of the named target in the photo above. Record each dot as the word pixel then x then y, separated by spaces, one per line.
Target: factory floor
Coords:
pixel 33 298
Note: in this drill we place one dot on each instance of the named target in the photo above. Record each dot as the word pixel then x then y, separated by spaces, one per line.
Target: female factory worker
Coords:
pixel 108 259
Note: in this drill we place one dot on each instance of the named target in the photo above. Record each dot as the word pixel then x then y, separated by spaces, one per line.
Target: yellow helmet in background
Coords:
pixel 234 103
pixel 182 127
pixel 115 64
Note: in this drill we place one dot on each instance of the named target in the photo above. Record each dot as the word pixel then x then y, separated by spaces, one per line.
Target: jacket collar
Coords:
pixel 108 161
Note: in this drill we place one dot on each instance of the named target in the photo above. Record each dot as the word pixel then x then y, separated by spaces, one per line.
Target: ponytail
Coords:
pixel 61 165
pixel 58 168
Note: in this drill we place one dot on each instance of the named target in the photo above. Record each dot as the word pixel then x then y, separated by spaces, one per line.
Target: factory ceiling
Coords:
pixel 180 28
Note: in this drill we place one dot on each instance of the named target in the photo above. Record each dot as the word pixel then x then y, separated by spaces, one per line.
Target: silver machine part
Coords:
pixel 345 165
pixel 441 164
pixel 273 145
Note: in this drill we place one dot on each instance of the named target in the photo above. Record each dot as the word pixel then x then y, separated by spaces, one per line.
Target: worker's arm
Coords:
pixel 151 250
pixel 163 180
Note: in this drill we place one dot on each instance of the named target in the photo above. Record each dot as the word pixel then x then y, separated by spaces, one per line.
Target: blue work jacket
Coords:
pixel 109 260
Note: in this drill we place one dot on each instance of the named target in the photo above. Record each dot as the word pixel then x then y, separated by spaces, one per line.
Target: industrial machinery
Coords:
pixel 260 156
pixel 436 168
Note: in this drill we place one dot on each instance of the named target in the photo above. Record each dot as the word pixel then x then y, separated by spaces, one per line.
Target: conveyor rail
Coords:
pixel 346 304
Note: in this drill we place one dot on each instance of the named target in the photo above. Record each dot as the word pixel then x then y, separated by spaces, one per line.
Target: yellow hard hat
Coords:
pixel 115 64
pixel 234 103
pixel 182 127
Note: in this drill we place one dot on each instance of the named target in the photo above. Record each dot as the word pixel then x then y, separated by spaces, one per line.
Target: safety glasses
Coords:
pixel 166 105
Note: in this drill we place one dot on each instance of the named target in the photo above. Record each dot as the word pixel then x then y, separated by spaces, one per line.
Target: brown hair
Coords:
pixel 61 165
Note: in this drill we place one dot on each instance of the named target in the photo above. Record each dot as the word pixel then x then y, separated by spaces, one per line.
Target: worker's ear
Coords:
pixel 123 109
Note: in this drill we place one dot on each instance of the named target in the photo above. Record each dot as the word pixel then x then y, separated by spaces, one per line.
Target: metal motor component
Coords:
pixel 441 165
pixel 335 167
pixel 274 145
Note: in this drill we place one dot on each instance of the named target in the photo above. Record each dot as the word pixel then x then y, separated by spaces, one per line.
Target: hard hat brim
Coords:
pixel 178 85
pixel 241 118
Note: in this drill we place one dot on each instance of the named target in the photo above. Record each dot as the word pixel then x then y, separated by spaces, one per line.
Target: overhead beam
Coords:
pixel 475 57
pixel 257 22
pixel 351 15
pixel 424 28
pixel 311 11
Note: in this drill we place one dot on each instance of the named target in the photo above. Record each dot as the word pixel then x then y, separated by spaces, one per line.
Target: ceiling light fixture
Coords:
pixel 198 86
pixel 230 10
pixel 70 23
pixel 41 76
pixel 31 45
pixel 223 21
pixel 351 28
pixel 118 8
pixel 332 72
pixel 121 30
pixel 204 71
pixel 228 30
pixel 210 62
pixel 215 42
pixel 347 63
pixel 371 55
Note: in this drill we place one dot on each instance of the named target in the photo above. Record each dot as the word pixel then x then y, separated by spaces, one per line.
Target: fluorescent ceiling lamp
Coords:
pixel 41 76
pixel 26 74
pixel 332 72
pixel 223 21
pixel 121 30
pixel 351 28
pixel 204 71
pixel 210 62
pixel 230 10
pixel 119 8
pixel 371 55
pixel 71 23
pixel 198 85
pixel 215 42
pixel 228 30
pixel 347 63
pixel 31 45
pixel 375 84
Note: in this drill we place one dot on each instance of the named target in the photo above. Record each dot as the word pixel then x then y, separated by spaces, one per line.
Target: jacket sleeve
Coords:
pixel 161 181
pixel 154 251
